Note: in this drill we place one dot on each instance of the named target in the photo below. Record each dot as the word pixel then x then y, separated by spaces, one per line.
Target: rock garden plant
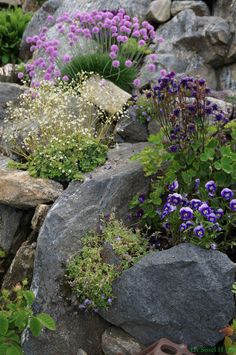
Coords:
pixel 116 45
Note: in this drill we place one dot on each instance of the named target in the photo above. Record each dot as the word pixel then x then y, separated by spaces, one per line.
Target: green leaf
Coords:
pixel 47 321
pixel 13 350
pixel 29 296
pixel 35 326
pixel 3 324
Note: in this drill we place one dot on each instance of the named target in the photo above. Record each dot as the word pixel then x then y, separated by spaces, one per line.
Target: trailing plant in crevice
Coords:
pixel 116 45
pixel 15 315
pixel 12 25
pixel 102 259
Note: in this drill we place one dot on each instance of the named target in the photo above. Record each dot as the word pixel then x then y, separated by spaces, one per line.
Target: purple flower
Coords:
pixel 211 187
pixel 20 75
pixel 151 68
pixel 199 231
pixel 213 246
pixel 142 198
pixel 204 209
pixel 227 194
pixel 109 301
pixel 66 58
pixel 173 186
pixel 197 183
pixel 167 209
pixel 128 63
pixel 186 213
pixel 139 213
pixel 175 199
pixel 113 55
pixel 183 227
pixel 141 42
pixel 219 213
pixel 116 63
pixel 232 205
pixel 195 203
pixel 65 78
pixel 137 82
pixel 163 72
pixel 212 217
pixel 189 224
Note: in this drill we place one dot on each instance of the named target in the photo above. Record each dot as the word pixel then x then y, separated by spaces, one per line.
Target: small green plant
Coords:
pixel 12 25
pixel 91 276
pixel 2 254
pixel 15 315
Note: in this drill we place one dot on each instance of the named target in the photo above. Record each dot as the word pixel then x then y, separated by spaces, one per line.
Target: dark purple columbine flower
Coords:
pixel 183 227
pixel 142 198
pixel 204 209
pixel 176 112
pixel 199 231
pixel 174 148
pixel 227 194
pixel 219 117
pixel 212 218
pixel 186 213
pixel 201 82
pixel 195 203
pixel 175 199
pixel 191 127
pixel 211 187
pixel 219 213
pixel 139 213
pixel 232 205
pixel 173 186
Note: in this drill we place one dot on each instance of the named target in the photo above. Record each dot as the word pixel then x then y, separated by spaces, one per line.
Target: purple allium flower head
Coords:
pixel 211 186
pixel 204 209
pixel 199 231
pixel 116 63
pixel 173 186
pixel 195 203
pixel 137 82
pixel 213 246
pixel 183 227
pixel 113 55
pixel 163 72
pixel 128 63
pixel 227 194
pixel 141 42
pixel 219 213
pixel 232 205
pixel 66 58
pixel 65 78
pixel 20 75
pixel 186 213
pixel 175 199
pixel 212 218
pixel 151 68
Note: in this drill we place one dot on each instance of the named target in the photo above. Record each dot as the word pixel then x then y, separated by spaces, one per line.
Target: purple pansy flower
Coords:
pixel 213 246
pixel 232 205
pixel 204 209
pixel 227 194
pixel 212 217
pixel 173 186
pixel 186 213
pixel 195 203
pixel 211 187
pixel 199 231
pixel 219 213
pixel 183 227
pixel 175 199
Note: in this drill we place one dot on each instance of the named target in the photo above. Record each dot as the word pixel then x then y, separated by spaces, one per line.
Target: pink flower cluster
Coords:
pixel 111 30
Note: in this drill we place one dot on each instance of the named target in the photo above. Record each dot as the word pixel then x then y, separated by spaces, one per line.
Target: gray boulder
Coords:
pixel 76 212
pixel 199 7
pixel 8 92
pixel 225 9
pixel 227 77
pixel 130 130
pixel 183 294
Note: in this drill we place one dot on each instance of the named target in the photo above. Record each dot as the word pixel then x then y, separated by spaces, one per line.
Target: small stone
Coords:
pixel 115 340
pixel 81 352
pixel 199 7
pixel 159 10
pixel 18 189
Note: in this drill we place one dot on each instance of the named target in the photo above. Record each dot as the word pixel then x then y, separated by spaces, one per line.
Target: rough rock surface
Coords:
pixel 8 92
pixel 18 189
pixel 21 266
pixel 14 227
pixel 115 340
pixel 225 9
pixel 227 77
pixel 183 294
pixel 159 11
pixel 199 7
pixel 75 213
pixel 130 130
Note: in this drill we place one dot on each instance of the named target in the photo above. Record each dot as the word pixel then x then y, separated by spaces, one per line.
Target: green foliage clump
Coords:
pixel 12 25
pixel 15 315
pixel 65 159
pixel 90 276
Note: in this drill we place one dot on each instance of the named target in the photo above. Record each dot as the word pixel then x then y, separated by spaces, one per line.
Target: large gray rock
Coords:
pixel 14 227
pixel 159 11
pixel 227 77
pixel 199 7
pixel 76 212
pixel 183 294
pixel 130 130
pixel 225 9
pixel 8 92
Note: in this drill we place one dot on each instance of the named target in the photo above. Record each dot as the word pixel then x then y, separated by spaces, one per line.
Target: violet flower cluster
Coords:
pixel 182 108
pixel 110 30
pixel 188 218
